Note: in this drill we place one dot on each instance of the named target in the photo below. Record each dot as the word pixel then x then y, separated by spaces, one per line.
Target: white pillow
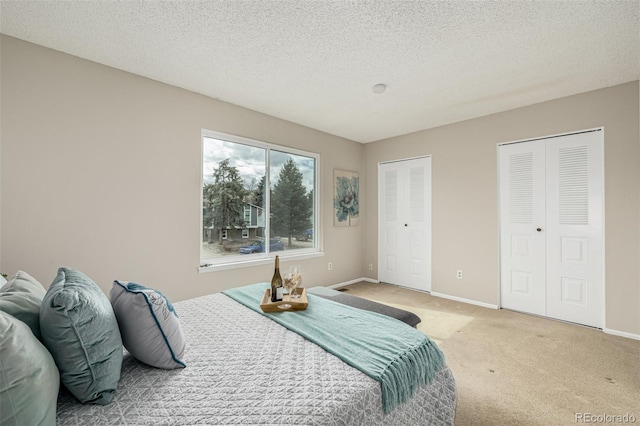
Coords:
pixel 3 281
pixel 149 325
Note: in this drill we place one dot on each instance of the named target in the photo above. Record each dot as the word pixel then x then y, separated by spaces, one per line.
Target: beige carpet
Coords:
pixel 517 369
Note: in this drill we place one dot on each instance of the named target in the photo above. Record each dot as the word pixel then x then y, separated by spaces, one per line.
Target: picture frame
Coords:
pixel 346 198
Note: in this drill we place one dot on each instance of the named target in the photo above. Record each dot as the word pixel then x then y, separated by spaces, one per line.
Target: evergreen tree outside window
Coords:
pixel 258 200
pixel 291 213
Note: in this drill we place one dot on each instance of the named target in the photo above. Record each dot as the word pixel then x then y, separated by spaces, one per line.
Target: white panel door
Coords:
pixel 551 227
pixel 404 216
pixel 522 241
pixel 575 258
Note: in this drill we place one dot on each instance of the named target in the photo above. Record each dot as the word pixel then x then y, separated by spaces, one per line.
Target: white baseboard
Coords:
pixel 433 293
pixel 475 302
pixel 357 280
pixel 621 333
pixel 463 300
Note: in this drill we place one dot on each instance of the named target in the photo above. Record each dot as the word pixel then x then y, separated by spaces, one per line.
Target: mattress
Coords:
pixel 243 368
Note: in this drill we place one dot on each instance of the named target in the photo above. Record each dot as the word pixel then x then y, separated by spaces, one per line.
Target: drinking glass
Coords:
pixel 287 281
pixel 296 281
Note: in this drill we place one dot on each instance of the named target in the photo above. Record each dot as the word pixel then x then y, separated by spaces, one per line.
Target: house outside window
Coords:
pixel 258 200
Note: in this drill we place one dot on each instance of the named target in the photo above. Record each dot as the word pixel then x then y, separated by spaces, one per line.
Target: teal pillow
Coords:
pixel 149 325
pixel 29 379
pixel 21 297
pixel 80 330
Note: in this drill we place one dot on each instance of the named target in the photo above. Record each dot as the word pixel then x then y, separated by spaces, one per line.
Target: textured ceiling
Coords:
pixel 315 62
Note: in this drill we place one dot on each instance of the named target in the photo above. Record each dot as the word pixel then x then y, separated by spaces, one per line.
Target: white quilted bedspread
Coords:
pixel 243 368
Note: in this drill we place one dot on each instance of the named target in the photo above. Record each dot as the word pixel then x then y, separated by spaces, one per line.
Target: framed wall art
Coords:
pixel 346 198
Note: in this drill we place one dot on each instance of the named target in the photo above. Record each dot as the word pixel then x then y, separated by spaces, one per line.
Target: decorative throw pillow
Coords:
pixel 80 330
pixel 29 379
pixel 22 297
pixel 149 325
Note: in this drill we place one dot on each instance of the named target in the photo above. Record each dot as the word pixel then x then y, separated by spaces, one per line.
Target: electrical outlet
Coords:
pixel 330 266
pixel 459 274
pixel 371 266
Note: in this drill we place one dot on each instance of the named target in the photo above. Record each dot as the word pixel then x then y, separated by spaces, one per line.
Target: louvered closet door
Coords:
pixel 404 215
pixel 522 213
pixel 551 227
pixel 575 258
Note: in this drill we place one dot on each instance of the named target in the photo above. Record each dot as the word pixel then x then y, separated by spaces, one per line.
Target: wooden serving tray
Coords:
pixel 299 304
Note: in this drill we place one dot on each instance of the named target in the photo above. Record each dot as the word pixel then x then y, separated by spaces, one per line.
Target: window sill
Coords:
pixel 257 262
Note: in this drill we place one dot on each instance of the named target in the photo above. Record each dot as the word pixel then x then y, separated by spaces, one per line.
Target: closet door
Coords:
pixel 551 227
pixel 575 255
pixel 522 223
pixel 404 223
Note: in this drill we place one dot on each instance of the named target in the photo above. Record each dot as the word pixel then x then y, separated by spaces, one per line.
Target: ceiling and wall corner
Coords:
pixel 102 173
pixel 78 168
pixel 465 191
pixel 314 63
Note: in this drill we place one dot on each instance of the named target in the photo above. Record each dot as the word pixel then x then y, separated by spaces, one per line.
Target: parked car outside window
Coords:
pixel 306 235
pixel 257 246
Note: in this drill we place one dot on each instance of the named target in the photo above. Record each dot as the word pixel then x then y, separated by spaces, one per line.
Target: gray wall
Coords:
pixel 101 172
pixel 465 191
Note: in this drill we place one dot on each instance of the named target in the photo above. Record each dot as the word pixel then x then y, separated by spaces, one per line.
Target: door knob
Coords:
pixel 539 229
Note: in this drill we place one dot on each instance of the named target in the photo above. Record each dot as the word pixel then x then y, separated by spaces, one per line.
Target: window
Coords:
pixel 253 193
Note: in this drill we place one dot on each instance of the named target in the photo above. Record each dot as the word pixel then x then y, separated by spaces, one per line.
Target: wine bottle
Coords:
pixel 276 283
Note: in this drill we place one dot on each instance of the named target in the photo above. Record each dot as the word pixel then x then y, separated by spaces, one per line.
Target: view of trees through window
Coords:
pixel 239 217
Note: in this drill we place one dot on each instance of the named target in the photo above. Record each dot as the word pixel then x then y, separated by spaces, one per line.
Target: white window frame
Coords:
pixel 240 261
pixel 245 234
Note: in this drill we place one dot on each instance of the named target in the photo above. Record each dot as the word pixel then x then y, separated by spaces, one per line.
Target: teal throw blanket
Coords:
pixel 401 358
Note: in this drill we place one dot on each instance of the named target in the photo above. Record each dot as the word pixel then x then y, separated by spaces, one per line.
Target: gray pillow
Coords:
pixel 149 325
pixel 80 330
pixel 29 379
pixel 21 297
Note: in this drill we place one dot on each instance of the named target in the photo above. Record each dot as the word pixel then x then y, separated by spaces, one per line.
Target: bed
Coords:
pixel 244 368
